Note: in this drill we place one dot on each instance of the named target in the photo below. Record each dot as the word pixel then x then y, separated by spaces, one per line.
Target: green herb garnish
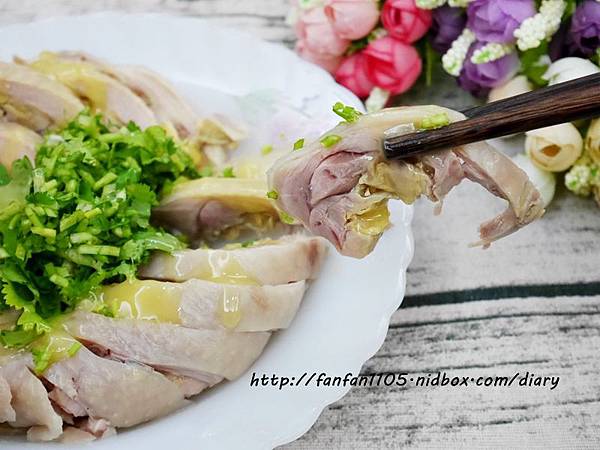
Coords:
pixel 286 218
pixel 266 149
pixel 273 195
pixel 348 113
pixel 330 140
pixel 206 171
pixel 434 121
pixel 228 172
pixel 81 218
pixel 299 144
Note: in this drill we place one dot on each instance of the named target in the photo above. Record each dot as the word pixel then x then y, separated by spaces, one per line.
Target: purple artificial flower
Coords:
pixel 558 47
pixel 496 20
pixel 479 78
pixel 584 35
pixel 447 24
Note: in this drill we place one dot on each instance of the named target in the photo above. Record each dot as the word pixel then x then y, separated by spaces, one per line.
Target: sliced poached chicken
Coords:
pixel 209 208
pixel 122 393
pixel 206 355
pixel 288 259
pixel 100 91
pixel 28 404
pixel 34 100
pixel 17 141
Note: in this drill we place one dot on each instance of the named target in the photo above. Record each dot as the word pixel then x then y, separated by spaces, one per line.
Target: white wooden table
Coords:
pixel 530 303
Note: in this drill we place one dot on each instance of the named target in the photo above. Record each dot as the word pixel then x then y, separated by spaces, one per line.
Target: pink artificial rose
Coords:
pixel 404 21
pixel 392 65
pixel 317 35
pixel 352 73
pixel 327 62
pixel 352 19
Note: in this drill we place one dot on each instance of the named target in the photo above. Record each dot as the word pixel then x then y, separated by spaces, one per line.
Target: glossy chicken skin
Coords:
pixel 286 260
pixel 211 207
pixel 16 141
pixel 341 192
pixel 33 100
pixel 100 91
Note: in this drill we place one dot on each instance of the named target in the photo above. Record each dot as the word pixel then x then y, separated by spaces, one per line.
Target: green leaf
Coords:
pixel 17 338
pixel 330 140
pixel 14 193
pixel 533 65
pixel 348 113
pixel 4 176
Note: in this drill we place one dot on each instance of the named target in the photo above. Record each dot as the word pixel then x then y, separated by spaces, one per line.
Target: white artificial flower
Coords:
pixel 377 99
pixel 542 25
pixel 453 59
pixel 579 179
pixel 518 85
pixel 592 141
pixel 566 69
pixel 491 52
pixel 554 148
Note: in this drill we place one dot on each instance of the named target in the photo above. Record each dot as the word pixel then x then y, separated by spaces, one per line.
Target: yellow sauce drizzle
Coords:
pixel 55 346
pixel 144 299
pixel 79 76
pixel 373 221
pixel 230 312
pixel 226 269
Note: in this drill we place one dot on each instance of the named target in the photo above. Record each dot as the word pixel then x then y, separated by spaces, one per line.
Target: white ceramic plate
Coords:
pixel 345 314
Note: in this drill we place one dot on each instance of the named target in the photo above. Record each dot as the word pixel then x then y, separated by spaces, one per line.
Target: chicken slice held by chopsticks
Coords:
pixel 338 187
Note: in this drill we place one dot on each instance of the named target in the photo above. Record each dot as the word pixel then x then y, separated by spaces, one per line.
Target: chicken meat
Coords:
pixel 340 191
pixel 285 260
pixel 33 100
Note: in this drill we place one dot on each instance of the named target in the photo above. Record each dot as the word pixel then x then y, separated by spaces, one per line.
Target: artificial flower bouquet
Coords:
pixel 494 49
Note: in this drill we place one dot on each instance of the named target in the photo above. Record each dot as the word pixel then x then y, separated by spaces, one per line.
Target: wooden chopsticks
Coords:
pixel 564 102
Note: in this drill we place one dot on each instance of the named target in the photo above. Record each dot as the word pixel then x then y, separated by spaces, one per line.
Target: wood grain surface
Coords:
pixel 530 303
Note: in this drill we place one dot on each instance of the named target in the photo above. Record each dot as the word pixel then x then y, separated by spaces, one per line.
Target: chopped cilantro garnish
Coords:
pixel 247 244
pixel 299 144
pixel 286 218
pixel 81 218
pixel 348 113
pixel 266 149
pixel 273 195
pixel 330 140
pixel 228 172
pixel 434 121
pixel 206 171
